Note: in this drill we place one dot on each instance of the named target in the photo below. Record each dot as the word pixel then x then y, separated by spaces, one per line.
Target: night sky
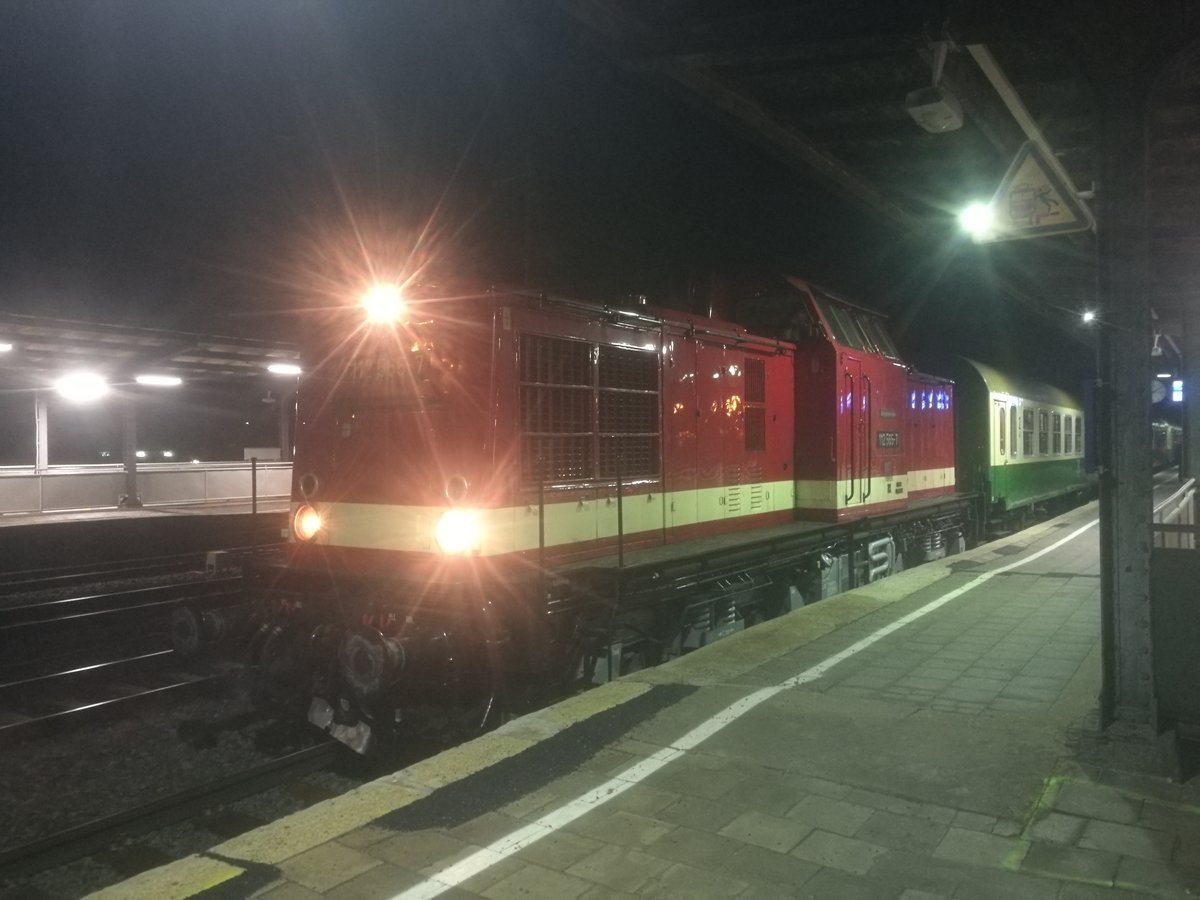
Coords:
pixel 224 166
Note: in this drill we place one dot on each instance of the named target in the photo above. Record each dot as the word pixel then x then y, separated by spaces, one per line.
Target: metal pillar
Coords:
pixel 1127 696
pixel 287 409
pixel 130 498
pixel 41 414
pixel 1189 465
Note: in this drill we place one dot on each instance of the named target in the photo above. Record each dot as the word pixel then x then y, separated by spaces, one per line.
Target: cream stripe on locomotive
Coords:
pixel 930 479
pixel 849 493
pixel 376 526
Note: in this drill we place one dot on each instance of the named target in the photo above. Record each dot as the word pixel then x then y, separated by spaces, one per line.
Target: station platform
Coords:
pixel 39 540
pixel 932 735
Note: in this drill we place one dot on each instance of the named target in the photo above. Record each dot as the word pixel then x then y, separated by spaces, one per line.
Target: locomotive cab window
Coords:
pixel 877 333
pixel 841 321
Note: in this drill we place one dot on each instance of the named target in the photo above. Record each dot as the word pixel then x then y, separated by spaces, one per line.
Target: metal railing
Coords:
pixel 1174 522
pixel 64 488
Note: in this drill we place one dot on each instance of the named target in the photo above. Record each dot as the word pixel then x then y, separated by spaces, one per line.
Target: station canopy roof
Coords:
pixel 35 351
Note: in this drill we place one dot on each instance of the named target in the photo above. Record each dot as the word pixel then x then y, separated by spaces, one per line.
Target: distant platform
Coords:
pixel 42 540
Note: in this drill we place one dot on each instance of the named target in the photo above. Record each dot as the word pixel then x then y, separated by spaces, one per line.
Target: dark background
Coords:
pixel 228 167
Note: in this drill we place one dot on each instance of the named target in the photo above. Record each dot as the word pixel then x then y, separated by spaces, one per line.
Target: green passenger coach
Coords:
pixel 1020 442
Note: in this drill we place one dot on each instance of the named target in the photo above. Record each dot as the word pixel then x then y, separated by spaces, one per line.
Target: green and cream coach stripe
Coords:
pixel 396 527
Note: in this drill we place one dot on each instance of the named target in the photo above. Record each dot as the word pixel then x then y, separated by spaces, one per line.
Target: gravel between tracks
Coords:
pixel 68 780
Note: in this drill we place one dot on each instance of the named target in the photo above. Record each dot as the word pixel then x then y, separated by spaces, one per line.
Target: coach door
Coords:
pixel 1003 446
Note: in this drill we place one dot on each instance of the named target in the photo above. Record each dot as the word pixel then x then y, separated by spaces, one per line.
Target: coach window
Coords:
pixel 1027 432
pixel 1043 432
pixel 1067 435
pixel 1000 427
pixel 1057 419
pixel 1013 428
pixel 1079 434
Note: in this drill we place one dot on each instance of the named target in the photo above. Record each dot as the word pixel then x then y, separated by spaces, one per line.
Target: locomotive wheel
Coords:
pixel 187 631
pixel 282 670
pixel 369 662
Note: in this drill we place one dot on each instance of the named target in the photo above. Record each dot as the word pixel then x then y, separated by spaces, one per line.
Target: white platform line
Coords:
pixel 510 844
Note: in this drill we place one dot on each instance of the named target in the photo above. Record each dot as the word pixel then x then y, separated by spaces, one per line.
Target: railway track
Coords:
pixel 51 703
pixel 83 840
pixel 33 581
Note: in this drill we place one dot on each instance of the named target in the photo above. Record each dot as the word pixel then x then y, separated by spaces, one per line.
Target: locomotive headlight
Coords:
pixel 458 532
pixel 306 523
pixel 383 303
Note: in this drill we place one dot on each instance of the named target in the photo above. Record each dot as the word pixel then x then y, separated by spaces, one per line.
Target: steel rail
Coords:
pixel 77 842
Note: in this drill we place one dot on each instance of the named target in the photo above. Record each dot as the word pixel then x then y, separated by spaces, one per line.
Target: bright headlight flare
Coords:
pixel 306 523
pixel 383 303
pixel 458 532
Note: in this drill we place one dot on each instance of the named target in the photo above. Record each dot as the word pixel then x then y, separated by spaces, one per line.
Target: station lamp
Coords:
pixel 158 380
pixel 1088 316
pixel 5 347
pixel 283 369
pixel 977 220
pixel 81 387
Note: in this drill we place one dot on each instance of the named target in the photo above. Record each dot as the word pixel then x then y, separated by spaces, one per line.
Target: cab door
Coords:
pixel 853 473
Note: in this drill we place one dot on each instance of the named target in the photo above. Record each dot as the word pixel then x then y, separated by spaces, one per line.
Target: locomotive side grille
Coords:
pixel 756 405
pixel 587 411
pixel 756 381
pixel 631 370
pixel 628 455
pixel 756 428
pixel 555 361
pixel 556 409
pixel 556 458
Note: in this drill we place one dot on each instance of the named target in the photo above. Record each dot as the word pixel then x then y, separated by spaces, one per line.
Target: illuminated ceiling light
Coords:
pixel 1163 375
pixel 140 454
pixel 159 380
pixel 977 220
pixel 81 387
pixel 5 347
pixel 383 303
pixel 1088 317
pixel 283 369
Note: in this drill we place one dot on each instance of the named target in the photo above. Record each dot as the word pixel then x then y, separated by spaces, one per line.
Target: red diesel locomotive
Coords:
pixel 500 491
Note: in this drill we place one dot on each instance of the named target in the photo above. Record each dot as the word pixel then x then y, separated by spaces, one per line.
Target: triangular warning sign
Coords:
pixel 1033 201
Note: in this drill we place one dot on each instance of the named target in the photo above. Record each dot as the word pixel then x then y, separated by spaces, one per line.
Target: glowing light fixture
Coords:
pixel 158 380
pixel 383 303
pixel 1088 317
pixel 81 387
pixel 140 454
pixel 5 347
pixel 977 220
pixel 306 523
pixel 457 532
pixel 283 369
